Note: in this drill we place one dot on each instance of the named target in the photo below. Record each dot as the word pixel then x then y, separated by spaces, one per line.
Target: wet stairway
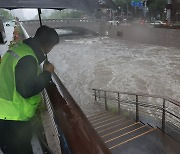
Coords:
pixel 126 136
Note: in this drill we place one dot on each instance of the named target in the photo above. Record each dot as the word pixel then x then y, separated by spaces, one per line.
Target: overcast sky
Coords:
pixel 28 14
pixel 24 14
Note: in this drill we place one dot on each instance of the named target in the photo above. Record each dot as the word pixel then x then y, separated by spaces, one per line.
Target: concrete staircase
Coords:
pixel 127 136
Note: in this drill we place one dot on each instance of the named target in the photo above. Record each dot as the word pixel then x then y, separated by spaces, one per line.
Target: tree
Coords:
pixel 122 2
pixel 156 7
pixel 125 5
pixel 66 14
pixel 42 17
pixel 61 14
pixel 5 15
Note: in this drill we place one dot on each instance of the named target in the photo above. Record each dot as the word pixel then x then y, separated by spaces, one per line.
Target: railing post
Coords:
pixel 137 109
pixel 119 109
pixel 95 97
pixel 99 94
pixel 163 115
pixel 105 99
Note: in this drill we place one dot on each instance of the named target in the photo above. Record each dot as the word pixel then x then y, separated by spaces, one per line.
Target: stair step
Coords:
pixel 121 131
pixel 127 136
pixel 112 128
pixel 106 121
pixel 109 124
pixel 153 142
pixel 98 115
pixel 102 118
pixel 125 147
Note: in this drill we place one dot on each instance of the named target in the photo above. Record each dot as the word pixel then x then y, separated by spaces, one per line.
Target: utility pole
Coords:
pixel 127 8
pixel 145 8
pixel 168 13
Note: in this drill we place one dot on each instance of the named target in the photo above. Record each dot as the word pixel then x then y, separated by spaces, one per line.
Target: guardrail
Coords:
pixel 161 111
pixel 65 20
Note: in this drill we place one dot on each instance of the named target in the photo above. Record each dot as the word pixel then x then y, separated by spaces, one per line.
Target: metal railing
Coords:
pixel 162 112
pixel 65 20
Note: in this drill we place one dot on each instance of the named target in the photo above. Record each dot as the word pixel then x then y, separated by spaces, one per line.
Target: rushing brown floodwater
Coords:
pixel 112 64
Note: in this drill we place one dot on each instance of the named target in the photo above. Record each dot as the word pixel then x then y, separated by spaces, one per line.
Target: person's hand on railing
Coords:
pixel 48 67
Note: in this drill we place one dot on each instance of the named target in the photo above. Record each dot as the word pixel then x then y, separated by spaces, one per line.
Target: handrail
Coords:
pixel 67 96
pixel 74 122
pixel 68 19
pixel 144 95
pixel 143 104
pixel 100 93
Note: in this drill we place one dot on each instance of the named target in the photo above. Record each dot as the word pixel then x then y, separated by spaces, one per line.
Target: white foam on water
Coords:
pixel 113 64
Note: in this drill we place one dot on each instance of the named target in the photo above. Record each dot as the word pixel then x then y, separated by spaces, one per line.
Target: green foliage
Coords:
pixel 5 15
pixel 42 17
pixel 156 7
pixel 124 5
pixel 65 14
pixel 122 2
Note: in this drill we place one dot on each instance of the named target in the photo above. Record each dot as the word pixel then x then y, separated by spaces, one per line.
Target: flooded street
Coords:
pixel 113 64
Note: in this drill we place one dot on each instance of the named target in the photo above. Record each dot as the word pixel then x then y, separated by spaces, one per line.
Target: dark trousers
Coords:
pixel 15 137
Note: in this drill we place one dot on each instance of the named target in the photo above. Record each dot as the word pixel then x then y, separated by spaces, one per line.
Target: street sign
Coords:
pixel 137 3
